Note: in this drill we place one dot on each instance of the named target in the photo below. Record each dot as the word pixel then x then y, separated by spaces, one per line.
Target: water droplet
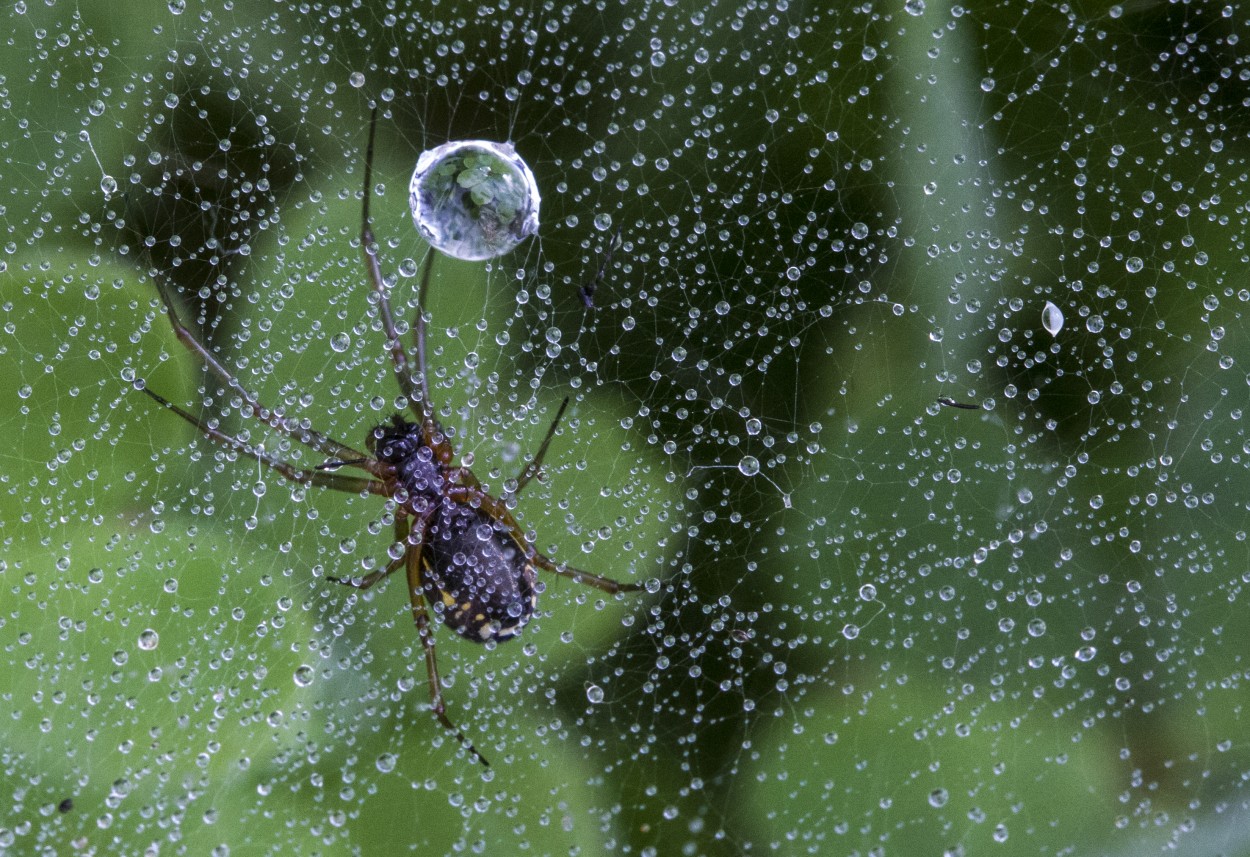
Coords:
pixel 850 631
pixel 356 79
pixel 148 640
pixel 340 342
pixel 868 592
pixel 1052 319
pixel 303 675
pixel 915 8
pixel 1134 264
pixel 386 762
pixel 108 185
pixel 594 693
pixel 177 7
pixel 473 199
pixel 749 465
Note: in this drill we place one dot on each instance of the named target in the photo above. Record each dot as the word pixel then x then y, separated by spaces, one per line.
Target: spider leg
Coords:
pixel 418 327
pixel 338 482
pixel 417 396
pixel 534 468
pixel 414 557
pixel 607 584
pixel 366 582
pixel 309 437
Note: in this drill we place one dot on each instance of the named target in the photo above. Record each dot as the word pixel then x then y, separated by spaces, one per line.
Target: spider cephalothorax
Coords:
pixel 416 466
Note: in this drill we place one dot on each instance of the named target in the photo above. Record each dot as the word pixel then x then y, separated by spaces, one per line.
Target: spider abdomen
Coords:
pixel 477 575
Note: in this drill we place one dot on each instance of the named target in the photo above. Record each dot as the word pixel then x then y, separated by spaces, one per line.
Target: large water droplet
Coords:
pixel 474 199
pixel 1052 319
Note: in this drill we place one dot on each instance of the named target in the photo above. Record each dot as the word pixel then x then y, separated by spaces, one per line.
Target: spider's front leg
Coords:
pixel 315 477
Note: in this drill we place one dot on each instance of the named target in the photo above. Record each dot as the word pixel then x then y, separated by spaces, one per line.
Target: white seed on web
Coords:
pixel 473 199
pixel 1052 319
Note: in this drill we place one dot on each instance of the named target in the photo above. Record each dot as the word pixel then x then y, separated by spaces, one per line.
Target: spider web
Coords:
pixel 878 622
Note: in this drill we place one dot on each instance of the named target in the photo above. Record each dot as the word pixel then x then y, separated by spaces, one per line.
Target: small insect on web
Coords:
pixel 948 402
pixel 587 290
pixel 462 549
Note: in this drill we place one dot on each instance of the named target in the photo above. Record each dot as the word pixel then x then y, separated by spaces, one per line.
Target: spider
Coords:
pixel 461 549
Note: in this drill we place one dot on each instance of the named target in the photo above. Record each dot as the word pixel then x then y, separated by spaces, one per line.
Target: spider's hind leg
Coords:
pixel 412 559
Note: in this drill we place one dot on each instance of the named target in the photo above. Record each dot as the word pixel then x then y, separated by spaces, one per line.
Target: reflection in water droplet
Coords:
pixel 474 199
